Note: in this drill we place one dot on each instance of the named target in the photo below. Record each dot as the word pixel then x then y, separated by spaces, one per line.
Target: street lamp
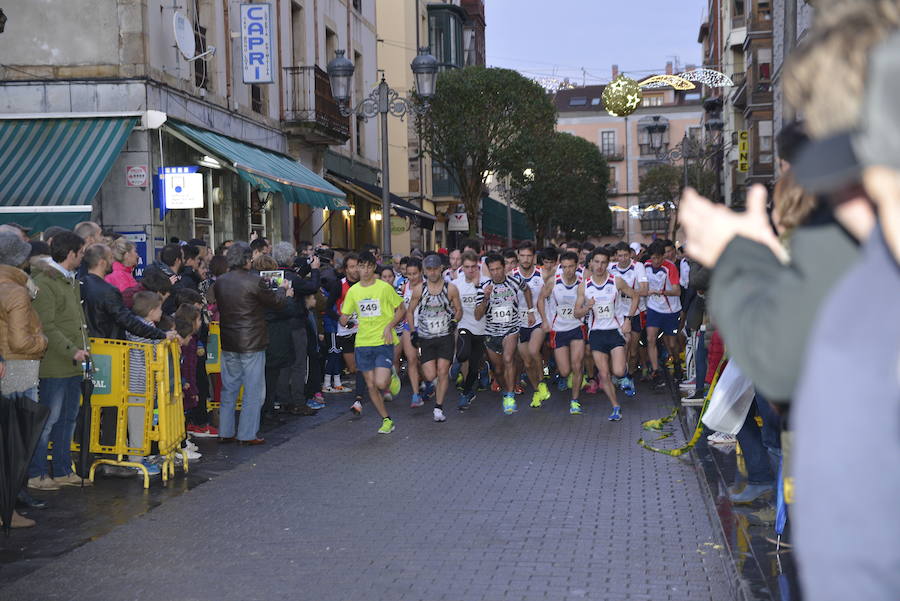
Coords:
pixel 381 101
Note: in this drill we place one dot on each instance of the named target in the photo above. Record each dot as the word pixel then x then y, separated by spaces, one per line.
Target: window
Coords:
pixel 201 72
pixel 577 101
pixel 595 101
pixel 256 98
pixel 765 142
pixel 764 64
pixel 445 35
pixel 298 50
pixel 652 100
pixel 738 8
pixel 357 5
pixel 613 185
pixel 694 133
pixel 608 143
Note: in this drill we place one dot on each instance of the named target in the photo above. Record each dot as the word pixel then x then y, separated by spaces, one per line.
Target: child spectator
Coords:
pixel 147 306
pixel 187 324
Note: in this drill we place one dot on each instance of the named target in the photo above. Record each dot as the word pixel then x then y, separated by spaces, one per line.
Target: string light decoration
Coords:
pixel 659 81
pixel 703 76
pixel 622 96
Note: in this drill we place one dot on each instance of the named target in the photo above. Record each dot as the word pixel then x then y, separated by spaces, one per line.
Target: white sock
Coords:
pixel 327 381
pixel 337 380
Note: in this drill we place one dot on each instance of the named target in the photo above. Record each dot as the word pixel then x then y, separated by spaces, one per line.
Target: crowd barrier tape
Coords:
pixel 158 401
pixel 214 366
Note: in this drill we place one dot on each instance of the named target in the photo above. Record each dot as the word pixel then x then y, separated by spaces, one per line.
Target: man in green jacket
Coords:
pixel 58 304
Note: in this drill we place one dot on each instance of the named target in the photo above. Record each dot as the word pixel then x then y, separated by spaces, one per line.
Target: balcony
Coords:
pixel 310 111
pixel 760 22
pixel 739 91
pixel 612 189
pixel 613 153
pixel 656 223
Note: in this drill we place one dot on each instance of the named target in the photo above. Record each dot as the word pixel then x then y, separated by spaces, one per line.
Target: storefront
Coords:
pixel 494 224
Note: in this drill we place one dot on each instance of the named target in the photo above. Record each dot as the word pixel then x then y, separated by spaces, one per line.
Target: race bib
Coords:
pixel 436 323
pixel 370 307
pixel 604 311
pixel 502 314
pixel 468 300
pixel 566 311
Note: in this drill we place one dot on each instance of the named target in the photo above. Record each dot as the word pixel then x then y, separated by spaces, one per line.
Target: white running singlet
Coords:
pixel 603 313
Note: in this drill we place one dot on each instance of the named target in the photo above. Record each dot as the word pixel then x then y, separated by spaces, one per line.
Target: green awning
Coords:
pixel 264 169
pixel 51 169
pixel 493 220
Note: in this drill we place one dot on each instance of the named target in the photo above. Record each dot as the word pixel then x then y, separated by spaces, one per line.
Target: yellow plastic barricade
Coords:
pixel 152 401
pixel 214 365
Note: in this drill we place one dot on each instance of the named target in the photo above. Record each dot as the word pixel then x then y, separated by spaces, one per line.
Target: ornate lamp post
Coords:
pixel 381 101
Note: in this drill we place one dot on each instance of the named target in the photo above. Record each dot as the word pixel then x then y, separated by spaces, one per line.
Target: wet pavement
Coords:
pixel 538 505
pixel 765 574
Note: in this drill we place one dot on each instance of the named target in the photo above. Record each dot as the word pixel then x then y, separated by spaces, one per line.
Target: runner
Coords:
pixel 635 276
pixel 470 336
pixel 346 332
pixel 531 335
pixel 379 309
pixel 434 311
pixel 413 281
pixel 597 296
pixel 663 308
pixel 567 332
pixel 498 299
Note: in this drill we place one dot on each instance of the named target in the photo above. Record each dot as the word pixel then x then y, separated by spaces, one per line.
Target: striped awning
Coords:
pixel 51 169
pixel 265 170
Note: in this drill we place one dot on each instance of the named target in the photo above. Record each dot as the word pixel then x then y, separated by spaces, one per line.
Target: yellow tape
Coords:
pixel 656 424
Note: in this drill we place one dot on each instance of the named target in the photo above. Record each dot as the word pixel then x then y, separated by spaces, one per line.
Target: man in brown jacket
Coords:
pixel 242 299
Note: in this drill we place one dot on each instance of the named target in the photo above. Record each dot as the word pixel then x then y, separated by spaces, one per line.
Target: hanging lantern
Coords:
pixel 622 96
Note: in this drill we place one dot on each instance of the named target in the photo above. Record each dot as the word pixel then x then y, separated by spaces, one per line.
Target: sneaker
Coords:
pixel 387 397
pixel 693 400
pixel 627 385
pixel 495 386
pixel 658 380
pixel 721 438
pixel 72 479
pixel 428 392
pixel 356 407
pixel 520 388
pixel 47 483
pixel 439 415
pixel 536 399
pixel 416 401
pixel 20 521
pixel 314 404
pixel 153 469
pixel 509 404
pixel 565 384
pixel 206 431
pixel 340 389
pixel 191 446
pixel 387 426
pixel 616 414
pixel 191 455
pixel 319 397
pixel 592 387
pixel 329 389
pixel 751 493
pixel 395 384
pixel 575 408
pixel 465 400
pixel 688 385
pixel 544 391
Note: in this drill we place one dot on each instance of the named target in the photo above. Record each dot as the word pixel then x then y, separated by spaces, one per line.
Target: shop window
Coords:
pixel 256 98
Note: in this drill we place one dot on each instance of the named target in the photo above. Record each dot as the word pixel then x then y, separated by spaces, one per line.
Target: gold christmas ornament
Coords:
pixel 622 96
pixel 659 81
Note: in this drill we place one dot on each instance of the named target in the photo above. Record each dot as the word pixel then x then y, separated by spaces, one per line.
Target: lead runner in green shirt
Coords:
pixel 379 309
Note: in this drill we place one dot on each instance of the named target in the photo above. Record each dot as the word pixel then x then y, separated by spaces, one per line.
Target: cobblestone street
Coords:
pixel 538 505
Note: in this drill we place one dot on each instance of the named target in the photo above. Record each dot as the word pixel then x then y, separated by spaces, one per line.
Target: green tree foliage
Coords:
pixel 662 183
pixel 564 190
pixel 481 121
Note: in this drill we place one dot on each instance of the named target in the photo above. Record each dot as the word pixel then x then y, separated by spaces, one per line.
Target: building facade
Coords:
pixel 258 128
pixel 625 143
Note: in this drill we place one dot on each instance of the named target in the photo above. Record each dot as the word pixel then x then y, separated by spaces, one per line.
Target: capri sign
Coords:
pixel 256 43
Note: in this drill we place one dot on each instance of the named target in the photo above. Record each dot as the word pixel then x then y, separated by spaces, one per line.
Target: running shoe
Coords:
pixel 509 404
pixel 495 386
pixel 439 415
pixel 395 384
pixel 616 414
pixel 536 399
pixel 721 438
pixel 153 469
pixel 543 391
pixel 627 386
pixel 592 387
pixel 356 407
pixel 520 388
pixel 564 383
pixel 319 397
pixel 387 397
pixel 314 404
pixel 191 446
pixel 387 426
pixel 465 400
pixel 429 390
pixel 575 408
pixel 416 401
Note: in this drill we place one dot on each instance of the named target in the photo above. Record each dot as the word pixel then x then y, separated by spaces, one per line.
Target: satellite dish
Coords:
pixel 184 35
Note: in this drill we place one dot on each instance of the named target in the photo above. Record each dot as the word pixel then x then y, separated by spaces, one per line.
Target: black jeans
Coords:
pixel 751 436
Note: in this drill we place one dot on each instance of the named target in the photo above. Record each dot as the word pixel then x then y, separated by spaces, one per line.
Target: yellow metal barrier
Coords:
pixel 214 366
pixel 153 401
